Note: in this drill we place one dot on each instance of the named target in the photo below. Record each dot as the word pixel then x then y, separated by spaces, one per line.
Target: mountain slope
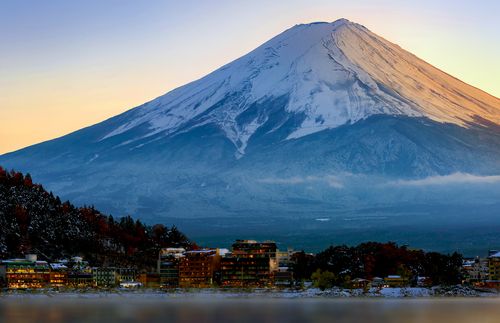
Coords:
pixel 332 74
pixel 318 121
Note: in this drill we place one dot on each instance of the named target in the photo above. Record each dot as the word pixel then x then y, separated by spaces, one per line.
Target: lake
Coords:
pixel 120 308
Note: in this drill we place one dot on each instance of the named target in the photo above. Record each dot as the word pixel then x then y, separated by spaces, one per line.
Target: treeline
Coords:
pixel 338 265
pixel 34 220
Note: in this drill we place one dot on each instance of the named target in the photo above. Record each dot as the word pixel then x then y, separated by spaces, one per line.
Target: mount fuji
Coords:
pixel 325 133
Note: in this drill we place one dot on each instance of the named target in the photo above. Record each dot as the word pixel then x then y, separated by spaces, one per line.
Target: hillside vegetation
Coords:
pixel 33 220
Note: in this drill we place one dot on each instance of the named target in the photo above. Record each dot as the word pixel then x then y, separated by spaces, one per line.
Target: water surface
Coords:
pixel 207 309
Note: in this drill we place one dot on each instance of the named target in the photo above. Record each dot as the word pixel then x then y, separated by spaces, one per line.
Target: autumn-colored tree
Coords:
pixel 58 229
pixel 28 182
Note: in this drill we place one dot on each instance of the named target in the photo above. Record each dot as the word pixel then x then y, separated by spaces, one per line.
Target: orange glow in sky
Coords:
pixel 65 65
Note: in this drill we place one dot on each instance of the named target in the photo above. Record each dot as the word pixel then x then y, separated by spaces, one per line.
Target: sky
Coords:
pixel 65 65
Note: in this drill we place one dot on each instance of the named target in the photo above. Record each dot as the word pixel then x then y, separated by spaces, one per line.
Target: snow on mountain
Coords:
pixel 332 73
pixel 326 120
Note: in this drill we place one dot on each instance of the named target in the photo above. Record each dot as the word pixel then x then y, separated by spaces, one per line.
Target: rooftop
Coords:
pixel 495 255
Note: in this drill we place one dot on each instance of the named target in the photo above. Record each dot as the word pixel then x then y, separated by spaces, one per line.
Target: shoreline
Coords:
pixel 256 293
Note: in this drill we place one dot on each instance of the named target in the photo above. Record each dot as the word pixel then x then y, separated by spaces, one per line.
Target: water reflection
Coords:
pixel 122 309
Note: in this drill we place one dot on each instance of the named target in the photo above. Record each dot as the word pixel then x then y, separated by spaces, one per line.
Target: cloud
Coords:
pixel 290 180
pixel 456 178
pixel 330 180
pixel 340 181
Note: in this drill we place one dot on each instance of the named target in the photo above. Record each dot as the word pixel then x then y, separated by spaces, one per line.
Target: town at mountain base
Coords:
pixel 82 248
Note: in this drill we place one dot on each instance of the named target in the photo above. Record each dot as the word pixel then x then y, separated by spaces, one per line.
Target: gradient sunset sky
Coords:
pixel 66 64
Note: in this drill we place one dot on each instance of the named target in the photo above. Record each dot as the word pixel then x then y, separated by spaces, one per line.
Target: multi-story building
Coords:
pixel 250 263
pixel 283 275
pixel 104 276
pixel 480 270
pixel 77 279
pixel 493 269
pixel 168 266
pixel 251 247
pixel 197 268
pixel 476 270
pixel 395 281
pixel 80 273
pixel 125 275
pixel 58 275
pixel 284 258
pixel 28 273
pixel 112 276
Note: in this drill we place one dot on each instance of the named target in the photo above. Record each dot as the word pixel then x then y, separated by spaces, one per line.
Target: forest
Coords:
pixel 337 265
pixel 33 220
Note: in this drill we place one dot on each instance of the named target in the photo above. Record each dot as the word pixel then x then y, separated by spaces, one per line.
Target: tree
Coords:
pixel 323 279
pixel 404 272
pixel 28 181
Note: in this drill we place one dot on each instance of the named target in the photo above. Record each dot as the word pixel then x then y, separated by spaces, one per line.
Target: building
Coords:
pixel 104 277
pixel 360 283
pixel 476 270
pixel 493 280
pixel 125 275
pixel 112 276
pixel 58 275
pixel 466 270
pixel 197 268
pixel 28 273
pixel 284 258
pixel 73 273
pixel 168 266
pixel 378 282
pixel 149 280
pixel 244 271
pixel 395 281
pixel 250 264
pixel 282 276
pixel 494 265
pixel 251 247
pixel 80 279
pixel 423 281
pixel 80 273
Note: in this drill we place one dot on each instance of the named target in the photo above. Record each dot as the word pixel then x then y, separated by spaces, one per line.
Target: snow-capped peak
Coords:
pixel 330 74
